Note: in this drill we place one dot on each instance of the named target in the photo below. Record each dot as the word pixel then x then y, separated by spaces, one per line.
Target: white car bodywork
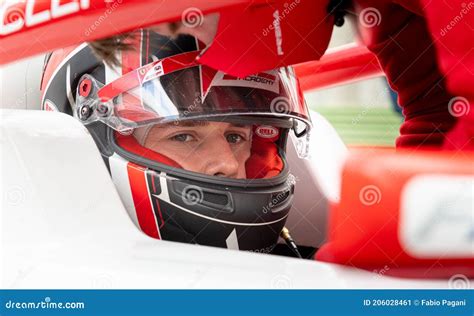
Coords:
pixel 62 224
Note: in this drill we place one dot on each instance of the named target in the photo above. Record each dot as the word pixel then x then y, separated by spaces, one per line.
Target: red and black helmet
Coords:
pixel 160 83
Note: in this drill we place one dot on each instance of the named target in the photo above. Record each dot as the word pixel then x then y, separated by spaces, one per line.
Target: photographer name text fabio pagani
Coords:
pixel 448 303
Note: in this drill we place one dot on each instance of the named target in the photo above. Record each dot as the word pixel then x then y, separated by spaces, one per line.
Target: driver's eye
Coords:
pixel 234 138
pixel 182 138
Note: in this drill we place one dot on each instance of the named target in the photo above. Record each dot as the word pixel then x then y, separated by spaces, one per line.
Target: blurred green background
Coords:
pixel 363 111
pixel 364 126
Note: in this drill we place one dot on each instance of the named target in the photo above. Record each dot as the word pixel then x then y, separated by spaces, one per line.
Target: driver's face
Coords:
pixel 211 148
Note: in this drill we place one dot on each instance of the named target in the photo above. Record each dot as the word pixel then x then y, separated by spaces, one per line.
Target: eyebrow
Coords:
pixel 195 123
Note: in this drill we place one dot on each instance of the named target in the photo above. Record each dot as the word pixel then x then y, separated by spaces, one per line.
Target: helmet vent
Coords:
pixel 202 198
pixel 280 200
pixel 217 199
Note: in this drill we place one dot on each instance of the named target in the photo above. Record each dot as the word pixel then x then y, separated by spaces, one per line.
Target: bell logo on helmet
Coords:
pixel 266 131
pixel 17 14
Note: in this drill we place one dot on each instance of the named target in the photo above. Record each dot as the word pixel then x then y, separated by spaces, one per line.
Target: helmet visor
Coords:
pixel 176 88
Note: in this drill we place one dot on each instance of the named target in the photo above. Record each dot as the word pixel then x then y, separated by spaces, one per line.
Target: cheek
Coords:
pixel 184 155
pixel 242 153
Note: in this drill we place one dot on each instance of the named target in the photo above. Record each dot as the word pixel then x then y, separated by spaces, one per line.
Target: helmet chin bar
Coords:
pixel 249 219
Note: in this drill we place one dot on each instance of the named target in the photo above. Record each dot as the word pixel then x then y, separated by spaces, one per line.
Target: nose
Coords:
pixel 220 160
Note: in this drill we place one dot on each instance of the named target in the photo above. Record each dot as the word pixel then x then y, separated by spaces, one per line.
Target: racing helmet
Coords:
pixel 159 85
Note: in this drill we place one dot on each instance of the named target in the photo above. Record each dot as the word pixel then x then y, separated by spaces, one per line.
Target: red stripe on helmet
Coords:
pixel 131 60
pixel 139 75
pixel 141 199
